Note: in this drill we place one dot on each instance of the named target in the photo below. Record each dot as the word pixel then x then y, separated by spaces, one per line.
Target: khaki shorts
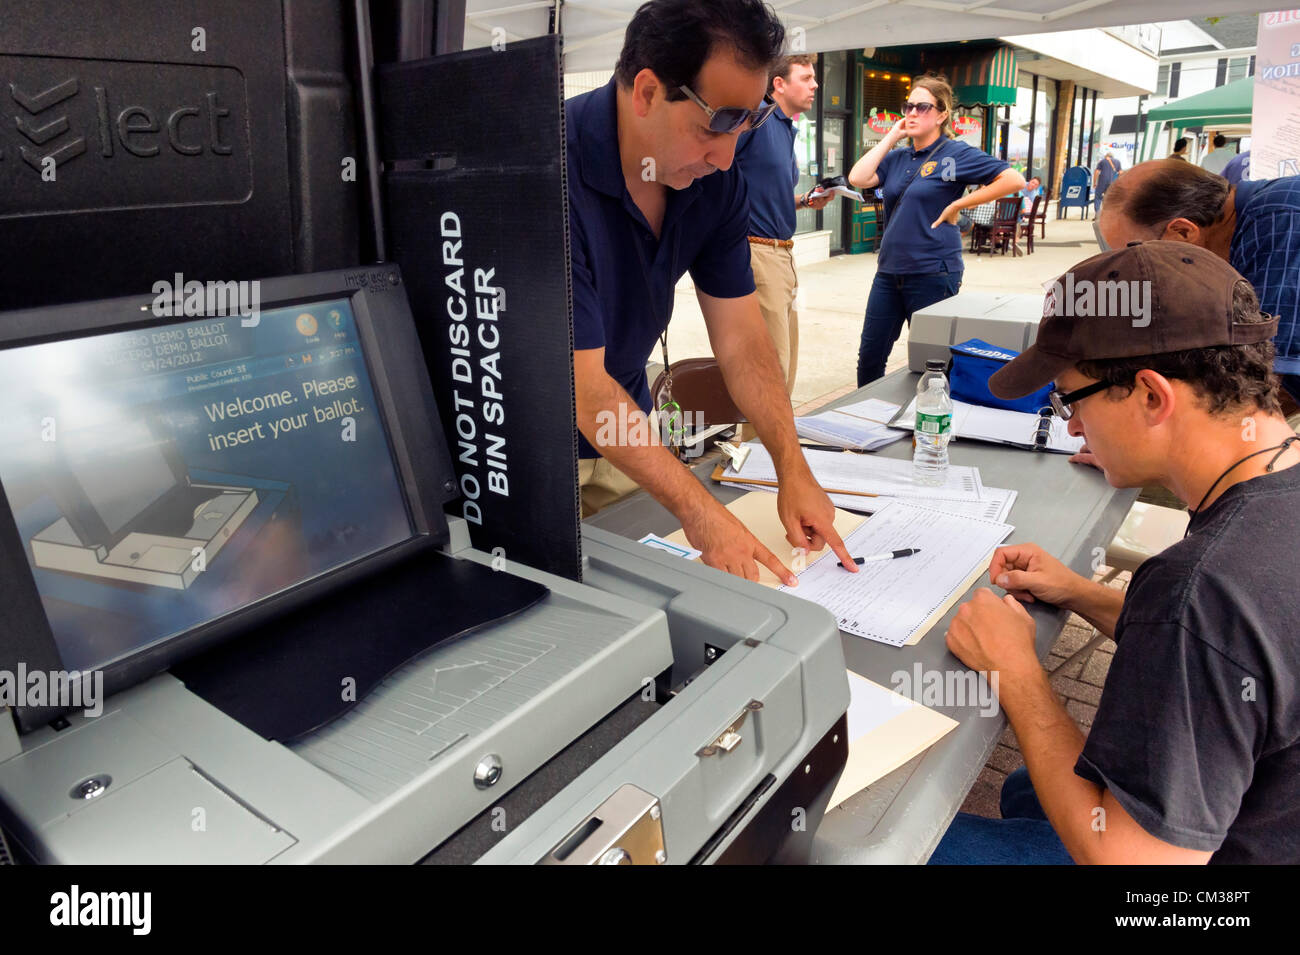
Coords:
pixel 602 484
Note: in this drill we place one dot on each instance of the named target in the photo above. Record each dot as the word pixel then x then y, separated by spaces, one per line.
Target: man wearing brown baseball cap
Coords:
pixel 1194 755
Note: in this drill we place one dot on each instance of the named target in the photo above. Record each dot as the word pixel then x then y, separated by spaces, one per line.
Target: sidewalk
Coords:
pixel 833 298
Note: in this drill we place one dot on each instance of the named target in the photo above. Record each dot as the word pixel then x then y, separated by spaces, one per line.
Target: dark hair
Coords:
pixel 1180 144
pixel 1228 378
pixel 1173 190
pixel 786 63
pixel 1220 140
pixel 674 38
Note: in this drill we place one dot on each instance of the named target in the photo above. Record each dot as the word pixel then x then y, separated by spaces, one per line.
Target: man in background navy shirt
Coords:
pixel 651 196
pixel 1254 226
pixel 765 157
pixel 1107 172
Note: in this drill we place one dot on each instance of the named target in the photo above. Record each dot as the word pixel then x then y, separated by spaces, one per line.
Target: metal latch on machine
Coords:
pixel 626 829
pixel 730 738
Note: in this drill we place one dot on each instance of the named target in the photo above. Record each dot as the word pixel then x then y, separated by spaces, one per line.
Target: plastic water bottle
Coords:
pixel 933 425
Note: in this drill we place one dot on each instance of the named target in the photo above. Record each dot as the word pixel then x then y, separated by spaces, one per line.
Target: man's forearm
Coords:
pixel 643 458
pixel 754 380
pixel 1051 744
pixel 1098 604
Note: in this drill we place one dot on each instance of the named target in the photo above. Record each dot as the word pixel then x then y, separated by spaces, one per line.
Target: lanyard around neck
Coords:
pixel 667 406
pixel 1281 449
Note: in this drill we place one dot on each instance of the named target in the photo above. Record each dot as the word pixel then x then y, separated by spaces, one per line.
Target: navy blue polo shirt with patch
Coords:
pixel 766 160
pixel 623 277
pixel 941 171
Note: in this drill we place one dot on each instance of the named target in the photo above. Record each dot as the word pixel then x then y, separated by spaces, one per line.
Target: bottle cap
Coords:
pixel 936 364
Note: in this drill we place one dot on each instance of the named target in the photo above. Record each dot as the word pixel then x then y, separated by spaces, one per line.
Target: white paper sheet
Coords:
pixel 863 426
pixel 996 505
pixel 838 471
pixel 679 550
pixel 885 731
pixel 889 601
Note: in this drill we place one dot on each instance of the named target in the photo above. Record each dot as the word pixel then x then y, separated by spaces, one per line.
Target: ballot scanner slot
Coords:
pixel 425 601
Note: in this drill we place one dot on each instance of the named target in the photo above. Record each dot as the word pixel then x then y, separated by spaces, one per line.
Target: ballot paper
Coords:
pixel 885 730
pixel 996 505
pixel 863 426
pixel 897 601
pixel 841 472
pixel 1001 426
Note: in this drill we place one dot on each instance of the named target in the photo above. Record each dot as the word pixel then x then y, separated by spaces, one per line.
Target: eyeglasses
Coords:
pixel 728 119
pixel 1061 402
pixel 1101 239
pixel 921 108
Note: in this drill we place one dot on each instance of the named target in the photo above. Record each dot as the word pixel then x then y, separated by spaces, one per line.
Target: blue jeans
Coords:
pixel 1023 836
pixel 892 301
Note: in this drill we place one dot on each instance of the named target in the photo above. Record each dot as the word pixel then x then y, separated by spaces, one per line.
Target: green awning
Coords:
pixel 985 77
pixel 1230 103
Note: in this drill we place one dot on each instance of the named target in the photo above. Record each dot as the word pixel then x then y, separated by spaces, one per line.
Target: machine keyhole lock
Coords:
pixel 91 788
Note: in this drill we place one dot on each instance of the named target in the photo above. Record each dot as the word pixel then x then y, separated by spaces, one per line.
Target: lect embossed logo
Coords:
pixel 40 129
pixel 104 134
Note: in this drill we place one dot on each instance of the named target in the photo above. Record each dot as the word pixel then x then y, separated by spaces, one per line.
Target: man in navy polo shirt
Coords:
pixel 643 210
pixel 1254 226
pixel 765 157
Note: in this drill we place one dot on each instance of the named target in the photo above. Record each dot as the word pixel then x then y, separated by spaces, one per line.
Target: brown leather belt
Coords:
pixel 779 243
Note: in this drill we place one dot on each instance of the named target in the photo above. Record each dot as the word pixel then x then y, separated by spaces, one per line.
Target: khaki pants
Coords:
pixel 602 484
pixel 776 280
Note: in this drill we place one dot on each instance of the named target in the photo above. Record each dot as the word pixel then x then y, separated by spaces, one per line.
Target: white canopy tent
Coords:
pixel 593 29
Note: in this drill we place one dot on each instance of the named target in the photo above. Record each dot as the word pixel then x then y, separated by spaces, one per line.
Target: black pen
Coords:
pixel 829 447
pixel 907 552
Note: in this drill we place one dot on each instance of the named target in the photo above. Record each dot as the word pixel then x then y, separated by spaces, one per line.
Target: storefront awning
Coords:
pixel 983 77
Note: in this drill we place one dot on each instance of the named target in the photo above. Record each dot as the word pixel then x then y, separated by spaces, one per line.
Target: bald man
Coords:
pixel 1254 226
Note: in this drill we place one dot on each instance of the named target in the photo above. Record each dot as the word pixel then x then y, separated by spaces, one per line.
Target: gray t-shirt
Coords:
pixel 1198 731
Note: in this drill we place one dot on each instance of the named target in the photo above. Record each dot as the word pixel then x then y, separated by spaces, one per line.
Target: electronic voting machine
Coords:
pixel 281 650
pixel 291 568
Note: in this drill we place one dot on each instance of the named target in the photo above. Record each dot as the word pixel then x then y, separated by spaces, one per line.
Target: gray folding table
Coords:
pixel 1068 509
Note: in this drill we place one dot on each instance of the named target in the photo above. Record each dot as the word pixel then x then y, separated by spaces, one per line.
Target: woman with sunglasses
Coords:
pixel 919 260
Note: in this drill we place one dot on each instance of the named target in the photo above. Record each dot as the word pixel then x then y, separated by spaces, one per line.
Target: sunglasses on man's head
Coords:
pixel 728 119
pixel 921 108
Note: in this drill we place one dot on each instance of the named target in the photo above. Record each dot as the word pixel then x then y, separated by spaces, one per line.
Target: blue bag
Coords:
pixel 973 363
